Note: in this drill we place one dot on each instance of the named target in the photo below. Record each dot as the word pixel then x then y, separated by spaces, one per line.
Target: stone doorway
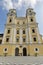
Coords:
pixel 17 52
pixel 24 52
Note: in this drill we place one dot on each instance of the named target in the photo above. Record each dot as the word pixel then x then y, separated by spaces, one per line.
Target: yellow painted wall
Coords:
pixel 30 49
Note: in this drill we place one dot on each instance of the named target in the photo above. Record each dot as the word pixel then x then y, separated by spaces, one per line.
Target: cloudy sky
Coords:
pixel 21 6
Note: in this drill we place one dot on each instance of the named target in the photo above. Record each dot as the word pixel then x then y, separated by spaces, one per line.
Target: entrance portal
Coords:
pixel 17 52
pixel 24 52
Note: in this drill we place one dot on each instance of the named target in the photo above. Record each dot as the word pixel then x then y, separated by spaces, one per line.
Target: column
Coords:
pixel 14 40
pixel 21 36
pixel 27 36
pixel 30 36
pixel 4 36
pixel 11 36
pixel 38 35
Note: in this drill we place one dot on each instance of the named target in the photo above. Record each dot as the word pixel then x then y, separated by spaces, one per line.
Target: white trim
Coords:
pixel 27 35
pixel 35 50
pixel 21 36
pixel 30 36
pixel 5 51
pixel 14 40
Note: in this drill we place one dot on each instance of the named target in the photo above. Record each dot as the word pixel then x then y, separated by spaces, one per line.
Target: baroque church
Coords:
pixel 21 36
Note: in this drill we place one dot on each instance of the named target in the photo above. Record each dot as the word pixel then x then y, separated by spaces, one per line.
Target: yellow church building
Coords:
pixel 21 36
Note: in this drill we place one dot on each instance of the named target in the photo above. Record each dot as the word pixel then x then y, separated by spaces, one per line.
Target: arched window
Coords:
pixel 33 30
pixel 17 31
pixel 17 39
pixel 31 19
pixel 10 20
pixel 23 31
pixel 8 31
pixel 24 52
pixel 34 39
pixel 24 39
pixel 7 39
pixel 17 52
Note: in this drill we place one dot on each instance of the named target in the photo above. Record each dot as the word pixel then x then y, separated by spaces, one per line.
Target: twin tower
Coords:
pixel 21 36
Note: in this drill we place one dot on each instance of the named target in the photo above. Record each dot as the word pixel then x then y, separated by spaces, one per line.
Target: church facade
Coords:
pixel 21 35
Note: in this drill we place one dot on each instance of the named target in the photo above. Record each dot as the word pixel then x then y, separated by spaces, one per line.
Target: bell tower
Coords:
pixel 11 15
pixel 33 26
pixel 12 12
pixel 9 27
pixel 30 14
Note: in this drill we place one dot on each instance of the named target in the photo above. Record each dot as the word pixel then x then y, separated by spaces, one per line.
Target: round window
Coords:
pixel 5 49
pixel 36 49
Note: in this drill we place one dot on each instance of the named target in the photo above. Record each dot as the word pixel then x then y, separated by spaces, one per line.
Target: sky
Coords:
pixel 21 6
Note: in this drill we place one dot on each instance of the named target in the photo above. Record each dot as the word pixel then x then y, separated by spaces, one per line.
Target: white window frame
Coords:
pixel 5 51
pixel 35 50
